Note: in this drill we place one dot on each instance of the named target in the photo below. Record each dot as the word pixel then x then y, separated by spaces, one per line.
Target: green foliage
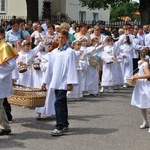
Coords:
pixel 97 4
pixel 124 9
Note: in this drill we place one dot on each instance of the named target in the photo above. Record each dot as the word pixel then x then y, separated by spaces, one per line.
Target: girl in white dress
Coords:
pixel 93 71
pixel 109 78
pixel 84 64
pixel 141 93
pixel 37 70
pixel 26 57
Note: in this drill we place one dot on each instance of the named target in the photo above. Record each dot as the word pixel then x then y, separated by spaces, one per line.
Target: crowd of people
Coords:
pixel 68 60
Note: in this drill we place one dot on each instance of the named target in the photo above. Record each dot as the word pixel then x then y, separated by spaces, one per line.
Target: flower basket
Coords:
pixel 130 81
pixel 27 97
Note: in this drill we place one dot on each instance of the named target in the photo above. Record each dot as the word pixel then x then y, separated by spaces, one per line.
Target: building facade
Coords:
pixel 71 8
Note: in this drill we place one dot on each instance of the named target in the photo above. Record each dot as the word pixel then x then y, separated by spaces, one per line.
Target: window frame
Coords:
pixel 3 11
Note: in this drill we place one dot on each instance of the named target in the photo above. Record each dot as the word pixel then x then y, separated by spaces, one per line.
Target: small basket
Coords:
pixel 130 81
pixel 22 68
pixel 36 66
pixel 27 97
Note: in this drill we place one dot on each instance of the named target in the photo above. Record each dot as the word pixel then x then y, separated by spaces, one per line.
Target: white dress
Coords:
pixel 127 64
pixel 141 93
pixel 38 74
pixel 26 78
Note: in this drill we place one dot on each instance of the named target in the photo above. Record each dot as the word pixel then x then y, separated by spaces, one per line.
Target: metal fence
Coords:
pixel 59 19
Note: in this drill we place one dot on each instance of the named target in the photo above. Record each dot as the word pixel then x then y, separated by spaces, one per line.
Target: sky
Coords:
pixel 136 0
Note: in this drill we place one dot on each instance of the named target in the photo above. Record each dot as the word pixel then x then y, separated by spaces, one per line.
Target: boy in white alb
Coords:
pixel 61 73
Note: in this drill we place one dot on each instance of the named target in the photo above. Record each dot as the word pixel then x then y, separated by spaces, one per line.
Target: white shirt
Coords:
pixel 147 40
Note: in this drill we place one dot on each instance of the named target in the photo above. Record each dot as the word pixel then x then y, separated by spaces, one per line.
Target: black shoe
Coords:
pixel 5 132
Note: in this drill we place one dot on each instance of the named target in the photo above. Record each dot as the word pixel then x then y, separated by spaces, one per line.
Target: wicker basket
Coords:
pixel 27 97
pixel 130 81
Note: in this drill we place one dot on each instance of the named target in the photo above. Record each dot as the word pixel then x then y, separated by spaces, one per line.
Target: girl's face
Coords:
pixel 97 32
pixel 95 42
pixel 39 28
pixel 25 48
pixel 83 29
pixel 22 25
pixel 77 46
pixel 84 42
pixel 50 30
pixel 15 27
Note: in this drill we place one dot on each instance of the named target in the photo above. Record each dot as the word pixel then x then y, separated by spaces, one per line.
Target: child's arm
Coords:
pixel 146 74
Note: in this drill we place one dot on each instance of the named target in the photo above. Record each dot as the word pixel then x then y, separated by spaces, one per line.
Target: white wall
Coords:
pixel 73 8
pixel 16 7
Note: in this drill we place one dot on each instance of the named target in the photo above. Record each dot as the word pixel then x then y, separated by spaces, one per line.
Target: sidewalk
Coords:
pixel 106 122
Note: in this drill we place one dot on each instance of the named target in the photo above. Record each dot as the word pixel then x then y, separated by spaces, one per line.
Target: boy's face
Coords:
pixel 62 39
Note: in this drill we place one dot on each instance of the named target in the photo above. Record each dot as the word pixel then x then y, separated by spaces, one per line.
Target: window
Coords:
pixel 2 6
pixel 82 16
pixel 95 16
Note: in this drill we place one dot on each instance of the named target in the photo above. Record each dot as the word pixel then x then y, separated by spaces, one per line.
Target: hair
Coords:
pixel 109 39
pixel 97 27
pixel 128 40
pixel 64 32
pixel 64 25
pixel 95 39
pixel 13 21
pixel 83 24
pixel 54 45
pixel 144 52
pixel 20 20
pixel 51 26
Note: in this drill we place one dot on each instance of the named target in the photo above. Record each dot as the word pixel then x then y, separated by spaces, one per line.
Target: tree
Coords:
pixel 32 10
pixel 144 7
pixel 124 9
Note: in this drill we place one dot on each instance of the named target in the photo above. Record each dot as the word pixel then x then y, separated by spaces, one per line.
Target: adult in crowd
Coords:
pixel 72 29
pixel 50 37
pixel 21 23
pixel 83 33
pixel 45 25
pixel 38 35
pixel 15 35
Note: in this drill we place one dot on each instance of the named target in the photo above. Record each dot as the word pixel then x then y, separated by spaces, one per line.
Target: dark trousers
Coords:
pixel 7 108
pixel 61 109
pixel 135 65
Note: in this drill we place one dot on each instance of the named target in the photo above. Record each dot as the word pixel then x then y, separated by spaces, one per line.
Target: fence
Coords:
pixel 59 19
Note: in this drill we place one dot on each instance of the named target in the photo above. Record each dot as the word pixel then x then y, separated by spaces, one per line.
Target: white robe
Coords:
pixel 76 93
pixel 48 108
pixel 6 78
pixel 61 69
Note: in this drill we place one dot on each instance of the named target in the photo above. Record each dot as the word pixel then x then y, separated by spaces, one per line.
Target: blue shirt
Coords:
pixel 13 37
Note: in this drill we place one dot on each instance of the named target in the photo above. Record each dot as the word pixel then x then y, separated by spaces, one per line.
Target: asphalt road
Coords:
pixel 106 122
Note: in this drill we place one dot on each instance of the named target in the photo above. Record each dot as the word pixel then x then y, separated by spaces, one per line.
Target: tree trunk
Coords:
pixel 145 11
pixel 32 10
